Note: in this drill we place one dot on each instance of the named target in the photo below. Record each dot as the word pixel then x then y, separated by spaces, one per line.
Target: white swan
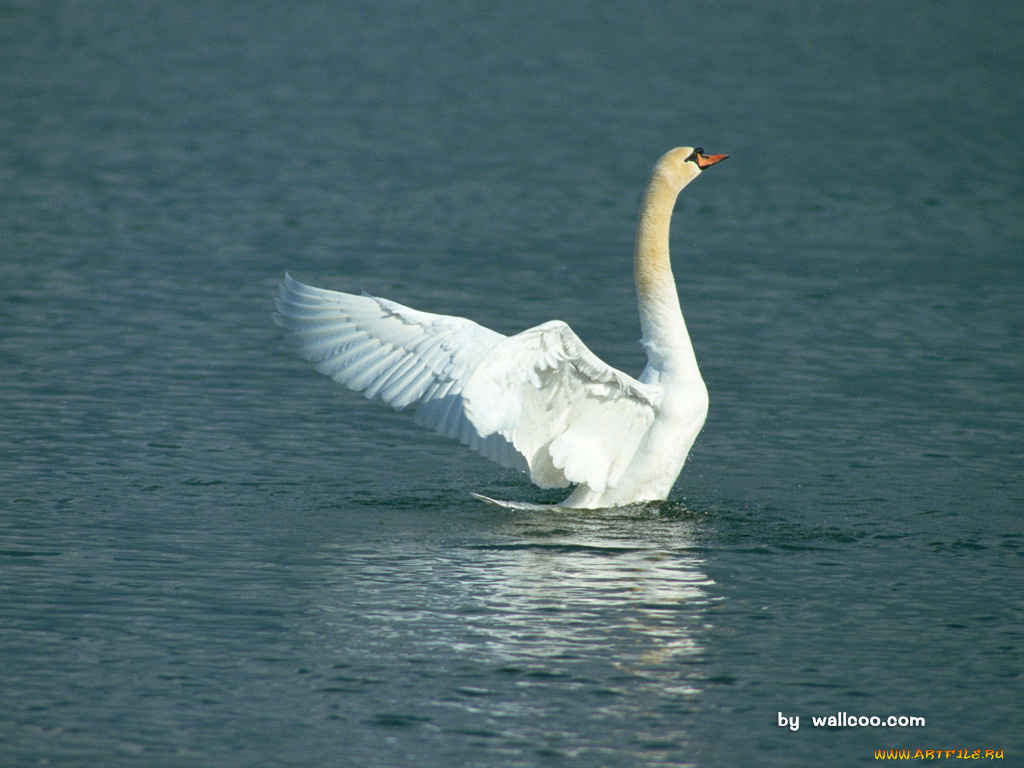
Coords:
pixel 539 401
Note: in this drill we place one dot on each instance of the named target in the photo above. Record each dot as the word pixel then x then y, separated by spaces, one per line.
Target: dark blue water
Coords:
pixel 211 555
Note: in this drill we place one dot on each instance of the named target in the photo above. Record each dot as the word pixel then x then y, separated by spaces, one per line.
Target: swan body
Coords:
pixel 538 401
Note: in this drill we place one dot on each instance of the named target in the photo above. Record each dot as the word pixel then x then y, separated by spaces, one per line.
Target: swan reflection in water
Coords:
pixel 624 585
pixel 611 600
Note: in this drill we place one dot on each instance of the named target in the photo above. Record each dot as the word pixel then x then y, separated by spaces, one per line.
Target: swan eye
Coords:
pixel 695 154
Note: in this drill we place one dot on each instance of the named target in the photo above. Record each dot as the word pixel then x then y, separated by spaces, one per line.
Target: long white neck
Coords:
pixel 663 332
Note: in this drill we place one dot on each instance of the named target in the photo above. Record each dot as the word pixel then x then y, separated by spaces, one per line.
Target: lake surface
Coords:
pixel 213 556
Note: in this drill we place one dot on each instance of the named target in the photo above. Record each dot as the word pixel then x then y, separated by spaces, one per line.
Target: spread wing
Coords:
pixel 397 355
pixel 539 401
pixel 575 418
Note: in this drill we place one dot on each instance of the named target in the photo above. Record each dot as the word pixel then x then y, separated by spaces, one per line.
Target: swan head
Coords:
pixel 682 165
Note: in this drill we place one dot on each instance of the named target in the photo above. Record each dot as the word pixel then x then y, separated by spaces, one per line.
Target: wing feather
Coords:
pixel 539 401
pixel 395 354
pixel 575 419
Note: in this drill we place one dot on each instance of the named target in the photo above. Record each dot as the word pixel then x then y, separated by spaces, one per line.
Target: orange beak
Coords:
pixel 703 161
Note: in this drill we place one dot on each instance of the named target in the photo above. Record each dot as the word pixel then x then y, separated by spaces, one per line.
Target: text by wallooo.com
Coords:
pixel 846 720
